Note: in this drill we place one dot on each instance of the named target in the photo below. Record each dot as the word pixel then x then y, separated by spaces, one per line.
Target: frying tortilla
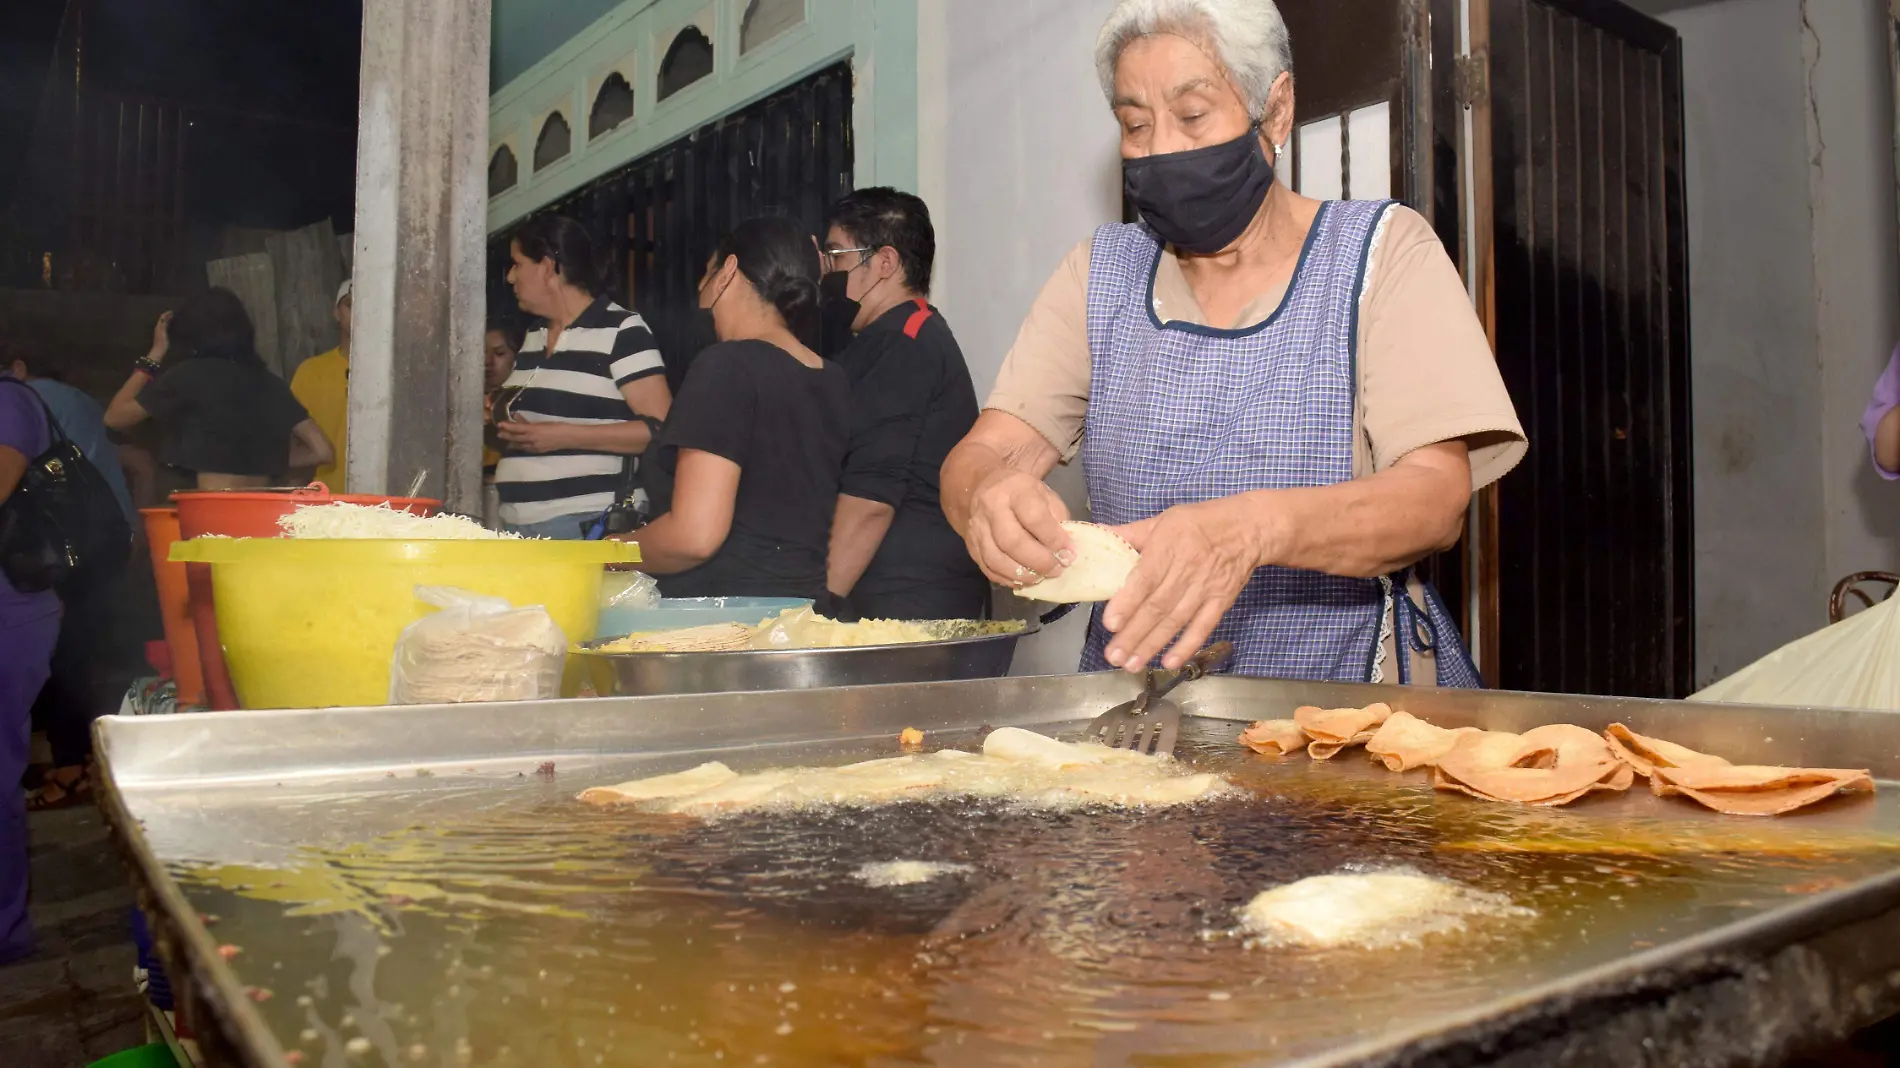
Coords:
pixel 1274 737
pixel 1549 765
pixel 1645 753
pixel 1333 729
pixel 1103 562
pixel 1369 910
pixel 1404 742
pixel 679 784
pixel 1735 789
pixel 890 873
pixel 1016 765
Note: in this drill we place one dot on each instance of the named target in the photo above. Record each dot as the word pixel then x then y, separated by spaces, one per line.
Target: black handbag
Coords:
pixel 62 521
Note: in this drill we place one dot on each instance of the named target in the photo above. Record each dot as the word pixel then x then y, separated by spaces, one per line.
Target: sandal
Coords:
pixel 53 795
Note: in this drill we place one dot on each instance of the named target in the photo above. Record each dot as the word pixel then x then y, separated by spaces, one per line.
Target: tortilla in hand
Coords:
pixel 1103 562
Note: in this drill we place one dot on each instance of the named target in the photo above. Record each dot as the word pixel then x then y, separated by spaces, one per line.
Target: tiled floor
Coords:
pixel 73 1002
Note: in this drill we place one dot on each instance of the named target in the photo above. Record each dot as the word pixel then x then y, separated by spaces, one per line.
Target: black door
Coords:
pixel 1591 324
pixel 660 215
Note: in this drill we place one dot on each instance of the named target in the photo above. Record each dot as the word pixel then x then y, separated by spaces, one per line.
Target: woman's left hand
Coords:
pixel 1195 558
pixel 532 437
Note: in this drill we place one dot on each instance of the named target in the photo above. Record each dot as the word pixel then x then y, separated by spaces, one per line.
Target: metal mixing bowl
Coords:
pixel 960 655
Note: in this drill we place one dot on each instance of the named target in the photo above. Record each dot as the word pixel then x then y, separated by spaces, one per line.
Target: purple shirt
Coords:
pixel 22 429
pixel 1886 399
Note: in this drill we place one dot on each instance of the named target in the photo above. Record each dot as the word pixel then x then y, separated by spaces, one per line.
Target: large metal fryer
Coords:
pixel 1794 973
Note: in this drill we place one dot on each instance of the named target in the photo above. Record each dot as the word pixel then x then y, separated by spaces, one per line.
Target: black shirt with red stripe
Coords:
pixel 911 402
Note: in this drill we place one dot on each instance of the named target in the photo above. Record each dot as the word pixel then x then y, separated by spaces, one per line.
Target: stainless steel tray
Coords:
pixel 984 656
pixel 1750 989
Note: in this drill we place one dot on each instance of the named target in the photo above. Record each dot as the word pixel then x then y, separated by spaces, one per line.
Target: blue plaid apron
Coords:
pixel 1180 413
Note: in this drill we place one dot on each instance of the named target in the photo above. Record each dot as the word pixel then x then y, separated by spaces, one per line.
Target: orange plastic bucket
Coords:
pixel 254 513
pixel 174 601
pixel 249 514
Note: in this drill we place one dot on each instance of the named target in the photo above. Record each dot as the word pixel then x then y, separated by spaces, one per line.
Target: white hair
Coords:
pixel 1249 36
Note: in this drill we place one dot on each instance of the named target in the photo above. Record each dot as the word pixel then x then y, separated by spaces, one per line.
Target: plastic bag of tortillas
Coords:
pixel 1853 664
pixel 476 648
pixel 629 589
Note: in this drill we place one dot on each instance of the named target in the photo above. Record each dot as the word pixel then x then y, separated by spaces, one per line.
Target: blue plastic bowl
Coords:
pixel 677 612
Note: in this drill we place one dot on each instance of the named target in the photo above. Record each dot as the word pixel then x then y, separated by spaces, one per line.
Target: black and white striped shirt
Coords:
pixel 605 348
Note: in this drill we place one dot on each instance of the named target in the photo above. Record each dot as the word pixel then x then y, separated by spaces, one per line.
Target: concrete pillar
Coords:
pixel 421 197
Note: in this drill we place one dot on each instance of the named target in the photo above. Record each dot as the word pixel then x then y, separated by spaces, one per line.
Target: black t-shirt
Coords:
pixel 223 416
pixel 911 402
pixel 786 426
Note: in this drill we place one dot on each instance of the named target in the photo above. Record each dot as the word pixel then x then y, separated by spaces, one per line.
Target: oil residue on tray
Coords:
pixel 533 930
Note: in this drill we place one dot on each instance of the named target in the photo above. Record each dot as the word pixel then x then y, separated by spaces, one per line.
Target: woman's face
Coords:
pixel 498 360
pixel 1172 96
pixel 534 282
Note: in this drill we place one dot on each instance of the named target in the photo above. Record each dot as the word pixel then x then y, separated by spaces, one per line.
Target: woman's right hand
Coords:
pixel 161 338
pixel 1015 529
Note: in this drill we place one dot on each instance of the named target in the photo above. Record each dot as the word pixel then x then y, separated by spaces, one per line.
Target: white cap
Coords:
pixel 343 291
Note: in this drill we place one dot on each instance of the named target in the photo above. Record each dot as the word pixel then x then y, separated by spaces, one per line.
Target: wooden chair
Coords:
pixel 1850 586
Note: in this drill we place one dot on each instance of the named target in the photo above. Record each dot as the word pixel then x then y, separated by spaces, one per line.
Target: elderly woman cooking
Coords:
pixel 1282 403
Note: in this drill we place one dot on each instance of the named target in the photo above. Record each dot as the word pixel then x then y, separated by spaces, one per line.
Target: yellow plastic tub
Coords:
pixel 312 623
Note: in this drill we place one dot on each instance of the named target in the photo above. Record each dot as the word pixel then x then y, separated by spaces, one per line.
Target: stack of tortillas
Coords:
pixel 710 638
pixel 1550 765
pixel 1103 562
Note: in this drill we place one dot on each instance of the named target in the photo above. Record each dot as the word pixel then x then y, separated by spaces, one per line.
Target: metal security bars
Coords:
pixel 660 216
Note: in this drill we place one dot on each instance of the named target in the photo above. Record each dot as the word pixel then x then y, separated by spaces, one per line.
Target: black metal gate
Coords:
pixel 1593 340
pixel 660 215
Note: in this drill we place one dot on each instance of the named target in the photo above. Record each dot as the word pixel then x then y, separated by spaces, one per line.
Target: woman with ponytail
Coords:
pixel 748 466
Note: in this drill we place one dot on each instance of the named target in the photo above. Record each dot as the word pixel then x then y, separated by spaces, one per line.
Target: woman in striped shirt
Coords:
pixel 587 390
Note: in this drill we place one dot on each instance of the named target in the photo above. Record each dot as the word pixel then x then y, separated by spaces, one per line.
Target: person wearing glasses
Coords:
pixel 893 554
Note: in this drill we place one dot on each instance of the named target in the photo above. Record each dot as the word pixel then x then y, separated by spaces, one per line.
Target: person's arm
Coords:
pixel 647 396
pixel 993 495
pixel 857 529
pixel 12 470
pixel 125 411
pixel 1877 423
pixel 888 406
pixel 1196 557
pixel 309 446
pixel 991 483
pixel 1887 441
pixel 694 529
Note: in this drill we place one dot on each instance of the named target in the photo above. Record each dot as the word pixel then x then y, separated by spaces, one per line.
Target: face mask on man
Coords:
pixel 836 313
pixel 1202 199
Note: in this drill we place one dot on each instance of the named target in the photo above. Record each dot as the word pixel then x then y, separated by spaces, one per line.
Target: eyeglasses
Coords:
pixel 831 256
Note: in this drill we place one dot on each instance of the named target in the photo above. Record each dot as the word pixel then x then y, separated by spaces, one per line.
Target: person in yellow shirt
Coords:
pixel 322 386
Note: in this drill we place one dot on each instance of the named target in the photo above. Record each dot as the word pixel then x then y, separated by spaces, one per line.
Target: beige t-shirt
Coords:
pixel 1426 373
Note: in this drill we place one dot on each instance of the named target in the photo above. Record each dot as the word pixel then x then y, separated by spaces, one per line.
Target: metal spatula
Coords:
pixel 1150 723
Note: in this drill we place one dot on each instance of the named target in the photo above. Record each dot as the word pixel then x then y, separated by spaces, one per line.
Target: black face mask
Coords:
pixel 836 313
pixel 1201 200
pixel 701 333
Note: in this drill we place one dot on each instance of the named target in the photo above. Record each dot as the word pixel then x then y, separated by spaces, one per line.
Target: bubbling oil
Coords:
pixel 534 930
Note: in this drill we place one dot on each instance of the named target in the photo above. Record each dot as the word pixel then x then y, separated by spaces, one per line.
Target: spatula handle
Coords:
pixel 1197 667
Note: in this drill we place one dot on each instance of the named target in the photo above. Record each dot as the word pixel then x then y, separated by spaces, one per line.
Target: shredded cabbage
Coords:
pixel 342 520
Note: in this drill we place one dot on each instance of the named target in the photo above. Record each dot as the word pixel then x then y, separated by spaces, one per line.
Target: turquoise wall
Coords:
pixel 524 32
pixel 877 37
